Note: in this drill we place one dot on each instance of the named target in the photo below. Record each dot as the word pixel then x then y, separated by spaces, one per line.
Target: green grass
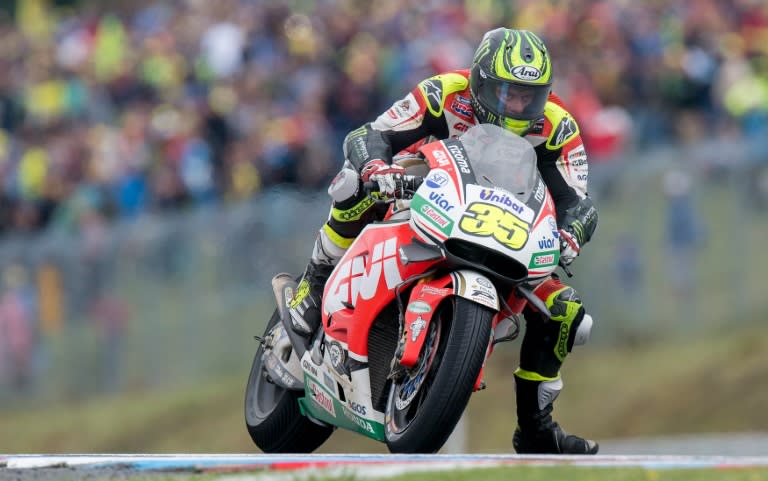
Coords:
pixel 527 473
pixel 675 388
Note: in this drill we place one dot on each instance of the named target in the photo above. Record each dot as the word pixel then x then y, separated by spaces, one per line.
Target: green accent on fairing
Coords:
pixel 418 203
pixel 564 312
pixel 450 83
pixel 353 213
pixel 345 418
pixel 532 376
pixel 554 253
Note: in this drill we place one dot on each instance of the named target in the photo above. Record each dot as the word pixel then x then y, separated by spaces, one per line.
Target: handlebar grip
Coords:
pixel 409 182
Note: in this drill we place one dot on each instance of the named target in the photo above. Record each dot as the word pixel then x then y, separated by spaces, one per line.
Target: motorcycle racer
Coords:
pixel 509 84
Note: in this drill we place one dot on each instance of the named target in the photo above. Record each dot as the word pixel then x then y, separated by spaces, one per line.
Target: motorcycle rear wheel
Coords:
pixel 272 413
pixel 424 407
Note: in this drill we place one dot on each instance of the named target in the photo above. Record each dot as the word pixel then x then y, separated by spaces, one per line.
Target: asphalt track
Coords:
pixel 53 467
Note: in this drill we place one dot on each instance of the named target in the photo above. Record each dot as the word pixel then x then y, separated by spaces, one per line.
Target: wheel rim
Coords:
pixel 405 397
pixel 263 394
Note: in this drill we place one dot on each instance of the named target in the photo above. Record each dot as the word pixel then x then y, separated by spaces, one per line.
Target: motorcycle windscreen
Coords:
pixel 501 159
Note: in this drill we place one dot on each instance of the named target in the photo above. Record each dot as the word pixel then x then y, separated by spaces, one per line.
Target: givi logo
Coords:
pixel 352 281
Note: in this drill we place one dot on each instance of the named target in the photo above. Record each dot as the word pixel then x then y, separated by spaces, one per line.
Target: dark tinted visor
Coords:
pixel 507 99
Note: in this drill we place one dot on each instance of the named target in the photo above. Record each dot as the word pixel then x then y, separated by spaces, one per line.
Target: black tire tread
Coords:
pixel 453 385
pixel 284 430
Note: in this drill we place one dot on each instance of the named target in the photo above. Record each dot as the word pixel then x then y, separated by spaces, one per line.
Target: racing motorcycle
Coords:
pixel 412 311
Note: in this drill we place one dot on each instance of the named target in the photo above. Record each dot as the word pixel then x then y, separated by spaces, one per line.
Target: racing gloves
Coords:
pixel 569 246
pixel 579 223
pixel 389 177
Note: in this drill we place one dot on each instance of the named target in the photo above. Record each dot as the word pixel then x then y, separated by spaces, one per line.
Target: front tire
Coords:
pixel 272 413
pixel 424 407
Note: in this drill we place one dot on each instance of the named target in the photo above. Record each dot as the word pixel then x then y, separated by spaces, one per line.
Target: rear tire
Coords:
pixel 424 407
pixel 272 413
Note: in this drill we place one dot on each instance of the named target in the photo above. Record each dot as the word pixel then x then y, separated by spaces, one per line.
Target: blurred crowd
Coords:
pixel 111 109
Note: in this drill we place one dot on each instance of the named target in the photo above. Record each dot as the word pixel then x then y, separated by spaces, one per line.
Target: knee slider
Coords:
pixel 583 330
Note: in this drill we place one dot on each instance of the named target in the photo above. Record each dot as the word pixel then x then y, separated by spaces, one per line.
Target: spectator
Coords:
pixel 683 232
pixel 149 103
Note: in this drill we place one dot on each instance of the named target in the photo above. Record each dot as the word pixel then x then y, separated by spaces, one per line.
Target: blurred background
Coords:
pixel 160 161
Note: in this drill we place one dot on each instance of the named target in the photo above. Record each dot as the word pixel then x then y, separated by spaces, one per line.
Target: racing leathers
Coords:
pixel 438 108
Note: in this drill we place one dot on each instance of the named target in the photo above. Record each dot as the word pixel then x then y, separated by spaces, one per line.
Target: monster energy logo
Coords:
pixel 483 50
pixel 357 132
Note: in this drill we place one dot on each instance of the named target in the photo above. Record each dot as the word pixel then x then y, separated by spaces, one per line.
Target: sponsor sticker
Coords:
pixel 436 291
pixel 439 200
pixel 416 327
pixel 502 198
pixel 336 353
pixel 437 179
pixel 461 109
pixel 545 259
pixel 321 398
pixel 441 157
pixel 362 423
pixel 461 160
pixel 526 72
pixel 461 127
pixel 419 307
pixel 432 214
pixel 484 298
pixel 577 157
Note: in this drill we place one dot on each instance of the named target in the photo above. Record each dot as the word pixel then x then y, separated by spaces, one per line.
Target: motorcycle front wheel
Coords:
pixel 424 406
pixel 272 413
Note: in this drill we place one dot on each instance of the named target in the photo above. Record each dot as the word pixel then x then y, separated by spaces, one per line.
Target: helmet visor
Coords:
pixel 511 100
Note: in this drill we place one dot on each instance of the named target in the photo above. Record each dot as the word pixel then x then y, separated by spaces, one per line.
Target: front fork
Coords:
pixel 422 304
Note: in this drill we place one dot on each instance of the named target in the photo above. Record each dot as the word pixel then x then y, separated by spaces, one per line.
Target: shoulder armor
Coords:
pixel 436 89
pixel 564 127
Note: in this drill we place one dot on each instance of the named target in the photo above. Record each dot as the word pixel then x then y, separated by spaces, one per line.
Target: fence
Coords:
pixel 166 300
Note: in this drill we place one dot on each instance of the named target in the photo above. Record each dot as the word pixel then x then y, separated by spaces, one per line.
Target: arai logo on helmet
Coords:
pixel 526 72
pixel 437 180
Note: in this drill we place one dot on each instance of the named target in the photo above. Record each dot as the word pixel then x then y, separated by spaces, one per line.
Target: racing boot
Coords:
pixel 304 308
pixel 536 432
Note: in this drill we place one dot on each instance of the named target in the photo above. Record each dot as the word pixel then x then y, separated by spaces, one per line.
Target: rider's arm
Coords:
pixel 562 162
pixel 409 120
pixel 368 142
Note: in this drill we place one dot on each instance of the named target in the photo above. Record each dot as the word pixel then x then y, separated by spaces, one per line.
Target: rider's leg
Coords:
pixel 351 211
pixel 537 381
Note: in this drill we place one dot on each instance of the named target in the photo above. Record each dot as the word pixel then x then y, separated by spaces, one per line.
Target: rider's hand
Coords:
pixel 389 177
pixel 569 246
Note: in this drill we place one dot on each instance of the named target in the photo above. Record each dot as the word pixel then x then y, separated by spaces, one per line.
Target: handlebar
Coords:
pixel 408 185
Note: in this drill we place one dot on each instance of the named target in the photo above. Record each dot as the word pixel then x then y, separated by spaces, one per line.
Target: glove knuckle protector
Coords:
pixel 581 220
